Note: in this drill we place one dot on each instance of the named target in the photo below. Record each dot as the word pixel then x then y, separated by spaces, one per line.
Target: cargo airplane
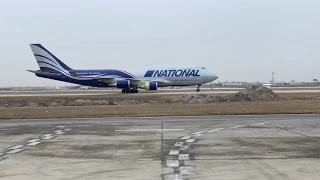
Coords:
pixel 128 80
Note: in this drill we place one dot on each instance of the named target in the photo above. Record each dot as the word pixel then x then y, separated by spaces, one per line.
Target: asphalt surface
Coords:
pixel 198 147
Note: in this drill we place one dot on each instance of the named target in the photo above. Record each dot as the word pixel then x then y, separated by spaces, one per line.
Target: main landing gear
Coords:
pixel 198 88
pixel 129 90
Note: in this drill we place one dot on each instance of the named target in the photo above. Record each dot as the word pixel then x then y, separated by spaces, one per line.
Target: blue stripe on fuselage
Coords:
pixel 108 72
pixel 149 73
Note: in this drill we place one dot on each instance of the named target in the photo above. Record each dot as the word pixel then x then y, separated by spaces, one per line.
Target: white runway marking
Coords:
pixel 16 147
pixel 237 126
pixel 178 144
pixel 190 140
pixel 60 126
pixel 258 124
pixel 184 170
pixel 186 137
pixel 33 140
pixel 197 135
pixel 14 151
pixel 67 129
pixel 34 143
pixel 183 148
pixel 172 163
pixel 59 132
pixel 47 136
pixel 183 157
pixel 174 152
pixel 215 130
pixel 200 132
pixel 133 130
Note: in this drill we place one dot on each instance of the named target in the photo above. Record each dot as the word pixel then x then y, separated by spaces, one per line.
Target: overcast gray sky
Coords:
pixel 237 39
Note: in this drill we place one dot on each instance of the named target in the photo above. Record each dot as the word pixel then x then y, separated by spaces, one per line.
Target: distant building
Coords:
pixel 267 85
pixel 232 84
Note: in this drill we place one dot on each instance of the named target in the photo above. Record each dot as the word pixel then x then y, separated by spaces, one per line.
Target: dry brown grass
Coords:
pixel 261 107
pixel 121 97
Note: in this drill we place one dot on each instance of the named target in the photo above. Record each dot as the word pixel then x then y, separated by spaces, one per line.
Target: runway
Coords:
pixel 142 92
pixel 185 147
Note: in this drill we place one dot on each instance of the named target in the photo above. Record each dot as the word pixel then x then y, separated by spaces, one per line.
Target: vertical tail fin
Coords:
pixel 47 61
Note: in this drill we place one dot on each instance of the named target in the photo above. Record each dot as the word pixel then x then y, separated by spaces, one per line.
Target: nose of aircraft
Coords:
pixel 212 76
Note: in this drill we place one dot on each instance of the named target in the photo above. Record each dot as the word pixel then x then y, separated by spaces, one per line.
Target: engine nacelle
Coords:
pixel 123 84
pixel 150 86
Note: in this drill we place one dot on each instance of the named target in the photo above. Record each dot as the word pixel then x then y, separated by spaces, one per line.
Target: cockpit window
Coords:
pixel 204 68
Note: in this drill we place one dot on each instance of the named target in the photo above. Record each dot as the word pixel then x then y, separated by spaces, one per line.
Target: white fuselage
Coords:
pixel 176 75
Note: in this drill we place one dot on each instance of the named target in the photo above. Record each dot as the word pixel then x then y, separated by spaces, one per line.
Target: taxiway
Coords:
pixel 185 147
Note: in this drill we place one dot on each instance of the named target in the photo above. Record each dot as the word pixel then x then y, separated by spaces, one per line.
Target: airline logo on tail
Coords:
pixel 47 61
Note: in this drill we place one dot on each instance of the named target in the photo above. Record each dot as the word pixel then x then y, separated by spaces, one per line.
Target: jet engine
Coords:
pixel 151 85
pixel 123 84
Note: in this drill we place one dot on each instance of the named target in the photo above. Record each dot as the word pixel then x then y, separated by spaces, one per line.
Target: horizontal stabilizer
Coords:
pixel 44 73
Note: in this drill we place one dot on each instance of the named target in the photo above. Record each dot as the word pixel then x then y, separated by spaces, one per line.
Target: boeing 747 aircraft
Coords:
pixel 128 80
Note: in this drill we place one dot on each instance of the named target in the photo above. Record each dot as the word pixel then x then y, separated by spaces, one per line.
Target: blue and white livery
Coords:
pixel 128 80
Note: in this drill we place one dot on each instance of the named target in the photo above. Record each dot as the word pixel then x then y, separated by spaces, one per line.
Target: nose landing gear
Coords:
pixel 198 88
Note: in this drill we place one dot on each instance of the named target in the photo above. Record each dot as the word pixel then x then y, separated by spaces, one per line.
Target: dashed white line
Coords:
pixel 14 151
pixel 197 135
pixel 47 136
pixel 172 163
pixel 60 126
pixel 174 152
pixel 33 140
pixel 133 130
pixel 258 124
pixel 190 140
pixel 237 126
pixel 185 170
pixel 200 132
pixel 67 129
pixel 186 137
pixel 34 143
pixel 183 148
pixel 183 157
pixel 178 144
pixel 16 147
pixel 214 130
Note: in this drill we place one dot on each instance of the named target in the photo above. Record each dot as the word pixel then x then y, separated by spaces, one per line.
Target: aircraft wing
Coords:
pixel 111 79
pixel 160 81
pixel 106 79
